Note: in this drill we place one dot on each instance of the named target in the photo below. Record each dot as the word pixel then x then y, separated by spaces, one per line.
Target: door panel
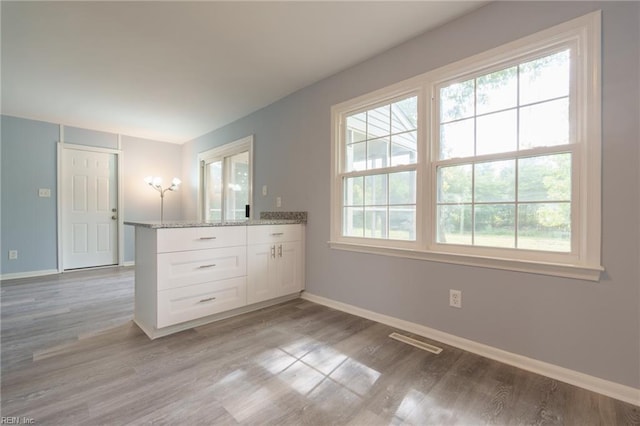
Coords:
pixel 89 226
pixel 260 272
pixel 80 237
pixel 289 278
pixel 79 201
pixel 102 200
pixel 103 237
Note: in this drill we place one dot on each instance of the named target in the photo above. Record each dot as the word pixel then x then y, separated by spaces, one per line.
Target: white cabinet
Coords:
pixel 190 276
pixel 274 261
pixel 185 274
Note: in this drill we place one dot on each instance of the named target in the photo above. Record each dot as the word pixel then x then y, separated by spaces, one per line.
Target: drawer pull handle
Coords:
pixel 273 252
pixel 280 250
pixel 275 234
pixel 206 266
pixel 208 299
pixel 207 238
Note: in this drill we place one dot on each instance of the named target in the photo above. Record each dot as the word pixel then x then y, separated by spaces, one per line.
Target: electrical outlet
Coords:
pixel 278 201
pixel 13 254
pixel 44 192
pixel 264 190
pixel 455 298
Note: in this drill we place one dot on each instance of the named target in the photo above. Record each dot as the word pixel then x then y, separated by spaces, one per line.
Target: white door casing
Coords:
pixel 89 208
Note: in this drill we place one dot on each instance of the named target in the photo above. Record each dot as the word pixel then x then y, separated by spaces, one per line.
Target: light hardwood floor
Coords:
pixel 71 355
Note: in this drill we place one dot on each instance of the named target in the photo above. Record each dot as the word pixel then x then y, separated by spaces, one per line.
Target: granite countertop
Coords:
pixel 196 224
pixel 266 218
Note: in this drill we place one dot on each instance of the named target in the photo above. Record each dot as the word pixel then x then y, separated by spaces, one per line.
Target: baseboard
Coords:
pixel 29 274
pixel 585 381
pixel 129 263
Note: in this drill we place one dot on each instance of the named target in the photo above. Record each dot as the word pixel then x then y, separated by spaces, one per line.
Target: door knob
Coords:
pixel 114 210
pixel 114 217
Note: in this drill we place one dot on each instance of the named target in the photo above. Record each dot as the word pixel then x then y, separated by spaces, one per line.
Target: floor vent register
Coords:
pixel 417 343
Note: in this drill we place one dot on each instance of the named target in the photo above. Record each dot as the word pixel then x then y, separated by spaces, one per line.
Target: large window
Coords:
pixel 225 181
pixel 492 161
pixel 504 156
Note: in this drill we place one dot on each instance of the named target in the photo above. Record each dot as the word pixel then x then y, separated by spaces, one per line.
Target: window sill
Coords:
pixel 581 272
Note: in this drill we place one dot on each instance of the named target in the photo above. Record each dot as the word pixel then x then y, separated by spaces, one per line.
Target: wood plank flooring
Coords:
pixel 71 355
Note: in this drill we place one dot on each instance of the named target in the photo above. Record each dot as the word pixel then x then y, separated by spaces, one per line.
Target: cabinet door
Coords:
pixel 260 272
pixel 288 275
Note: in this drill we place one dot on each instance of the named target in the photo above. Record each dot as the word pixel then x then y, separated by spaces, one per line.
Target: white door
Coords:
pixel 89 209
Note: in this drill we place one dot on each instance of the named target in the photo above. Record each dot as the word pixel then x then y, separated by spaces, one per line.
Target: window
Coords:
pixel 504 157
pixel 225 181
pixel 492 161
pixel 380 172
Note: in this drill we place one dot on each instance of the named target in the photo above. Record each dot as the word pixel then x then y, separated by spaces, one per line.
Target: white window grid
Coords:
pixel 583 262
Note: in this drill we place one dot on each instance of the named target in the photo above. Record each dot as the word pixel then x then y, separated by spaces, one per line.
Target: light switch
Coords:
pixel 44 192
pixel 264 190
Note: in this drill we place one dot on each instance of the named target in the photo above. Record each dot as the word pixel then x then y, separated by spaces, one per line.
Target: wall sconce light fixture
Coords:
pixel 156 183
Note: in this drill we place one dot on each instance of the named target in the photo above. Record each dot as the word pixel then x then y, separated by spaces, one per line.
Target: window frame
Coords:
pixel 574 147
pixel 383 170
pixel 222 152
pixel 583 262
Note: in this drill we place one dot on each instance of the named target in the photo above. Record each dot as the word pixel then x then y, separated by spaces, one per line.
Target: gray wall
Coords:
pixel 141 158
pixel 29 152
pixel 591 327
pixel 28 221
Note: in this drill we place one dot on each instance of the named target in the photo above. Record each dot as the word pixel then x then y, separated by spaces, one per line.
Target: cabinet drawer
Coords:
pixel 198 238
pixel 261 234
pixel 186 268
pixel 188 303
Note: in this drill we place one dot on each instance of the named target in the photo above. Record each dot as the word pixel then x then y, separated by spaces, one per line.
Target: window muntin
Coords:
pixel 381 137
pixel 500 180
pixel 381 206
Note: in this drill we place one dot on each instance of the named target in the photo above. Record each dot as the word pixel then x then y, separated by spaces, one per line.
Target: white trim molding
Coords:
pixel 572 377
pixel 28 274
pixel 580 272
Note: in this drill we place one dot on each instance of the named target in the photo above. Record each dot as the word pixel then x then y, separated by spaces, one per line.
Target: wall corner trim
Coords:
pixel 585 381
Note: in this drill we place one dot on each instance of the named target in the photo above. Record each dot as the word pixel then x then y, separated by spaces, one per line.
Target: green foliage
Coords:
pixel 543 192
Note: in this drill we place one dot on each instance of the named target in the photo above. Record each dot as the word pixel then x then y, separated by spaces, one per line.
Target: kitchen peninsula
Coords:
pixel 191 273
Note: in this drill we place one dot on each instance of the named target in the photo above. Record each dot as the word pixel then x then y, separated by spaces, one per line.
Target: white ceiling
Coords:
pixel 173 71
